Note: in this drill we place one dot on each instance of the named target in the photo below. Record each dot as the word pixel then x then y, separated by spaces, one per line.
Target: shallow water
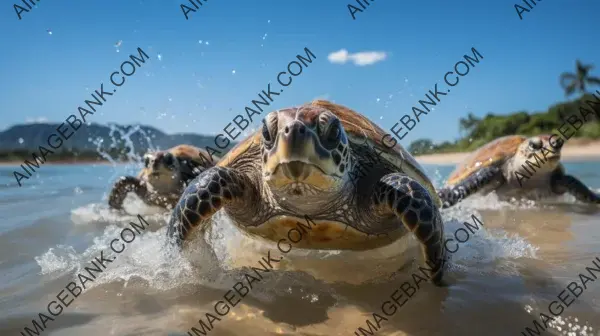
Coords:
pixel 498 281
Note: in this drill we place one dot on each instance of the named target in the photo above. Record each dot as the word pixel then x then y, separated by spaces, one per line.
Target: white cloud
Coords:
pixel 36 120
pixel 338 56
pixel 360 58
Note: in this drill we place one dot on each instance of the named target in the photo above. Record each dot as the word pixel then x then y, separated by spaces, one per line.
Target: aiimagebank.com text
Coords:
pixel 64 132
pixel 244 286
pixel 407 290
pixel 461 68
pixel 294 68
pixel 76 288
pixel 555 308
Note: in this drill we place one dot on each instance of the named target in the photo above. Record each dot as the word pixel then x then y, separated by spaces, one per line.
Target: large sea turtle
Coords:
pixel 164 176
pixel 515 166
pixel 304 162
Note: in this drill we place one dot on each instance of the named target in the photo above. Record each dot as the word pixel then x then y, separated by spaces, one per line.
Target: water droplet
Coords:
pixel 21 140
pixel 49 31
pixel 378 100
pixel 200 41
pixel 233 72
pixel 268 21
pixel 159 57
pixel 206 43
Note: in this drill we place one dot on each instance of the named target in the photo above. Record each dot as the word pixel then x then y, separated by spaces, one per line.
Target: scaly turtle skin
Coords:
pixel 515 166
pixel 305 162
pixel 164 176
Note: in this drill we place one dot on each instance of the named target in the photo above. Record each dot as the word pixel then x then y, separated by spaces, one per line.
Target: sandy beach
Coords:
pixel 574 150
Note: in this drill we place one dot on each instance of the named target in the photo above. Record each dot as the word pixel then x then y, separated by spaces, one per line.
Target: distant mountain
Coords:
pixel 94 136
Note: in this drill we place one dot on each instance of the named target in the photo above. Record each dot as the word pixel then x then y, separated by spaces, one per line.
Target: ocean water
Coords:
pixel 499 281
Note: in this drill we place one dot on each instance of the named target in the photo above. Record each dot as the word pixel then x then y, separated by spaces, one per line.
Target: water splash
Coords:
pixel 148 259
pixel 121 140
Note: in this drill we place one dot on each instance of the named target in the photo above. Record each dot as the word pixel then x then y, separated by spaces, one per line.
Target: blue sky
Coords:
pixel 192 87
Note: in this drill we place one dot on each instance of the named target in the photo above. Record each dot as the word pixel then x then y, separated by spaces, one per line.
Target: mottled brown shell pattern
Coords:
pixel 196 154
pixel 493 153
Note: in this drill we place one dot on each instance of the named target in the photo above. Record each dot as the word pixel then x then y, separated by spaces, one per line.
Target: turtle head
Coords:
pixel 167 171
pixel 542 148
pixel 161 171
pixel 305 151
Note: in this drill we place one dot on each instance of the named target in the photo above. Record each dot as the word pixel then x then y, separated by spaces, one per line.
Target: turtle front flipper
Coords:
pixel 566 183
pixel 412 204
pixel 191 168
pixel 205 195
pixel 470 185
pixel 123 186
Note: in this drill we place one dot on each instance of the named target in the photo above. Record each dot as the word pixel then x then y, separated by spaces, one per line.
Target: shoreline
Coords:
pixel 576 150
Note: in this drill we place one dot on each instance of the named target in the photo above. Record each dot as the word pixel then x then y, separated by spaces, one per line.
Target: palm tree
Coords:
pixel 578 81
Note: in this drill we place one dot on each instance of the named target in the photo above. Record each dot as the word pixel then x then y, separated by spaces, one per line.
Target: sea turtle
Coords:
pixel 164 176
pixel 304 163
pixel 515 166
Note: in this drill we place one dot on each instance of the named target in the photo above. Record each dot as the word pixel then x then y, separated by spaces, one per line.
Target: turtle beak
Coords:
pixel 295 170
pixel 292 141
pixel 295 150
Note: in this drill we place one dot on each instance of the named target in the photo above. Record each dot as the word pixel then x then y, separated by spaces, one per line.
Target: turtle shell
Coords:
pixel 491 154
pixel 198 155
pixel 360 130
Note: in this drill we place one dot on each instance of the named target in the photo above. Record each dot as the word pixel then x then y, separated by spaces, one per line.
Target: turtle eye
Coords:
pixel 332 136
pixel 266 135
pixel 535 144
pixel 168 159
pixel 146 161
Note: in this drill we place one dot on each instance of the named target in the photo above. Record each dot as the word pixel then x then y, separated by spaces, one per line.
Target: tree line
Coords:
pixel 476 132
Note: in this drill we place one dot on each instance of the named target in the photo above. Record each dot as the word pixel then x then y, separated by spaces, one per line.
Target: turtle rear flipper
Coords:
pixel 125 185
pixel 411 203
pixel 207 194
pixel 566 183
pixel 470 185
